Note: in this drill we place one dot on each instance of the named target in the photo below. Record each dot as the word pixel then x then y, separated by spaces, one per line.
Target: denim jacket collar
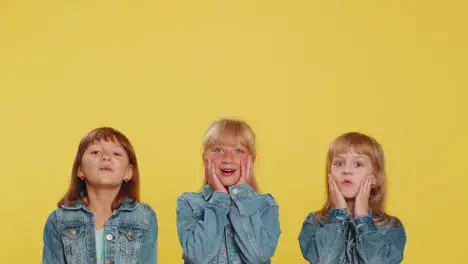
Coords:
pixel 127 204
pixel 207 192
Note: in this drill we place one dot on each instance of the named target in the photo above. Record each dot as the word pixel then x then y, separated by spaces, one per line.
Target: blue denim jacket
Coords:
pixel 131 236
pixel 341 239
pixel 241 227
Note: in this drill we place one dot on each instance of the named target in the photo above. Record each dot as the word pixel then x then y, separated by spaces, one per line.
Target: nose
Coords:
pixel 348 170
pixel 227 158
pixel 105 157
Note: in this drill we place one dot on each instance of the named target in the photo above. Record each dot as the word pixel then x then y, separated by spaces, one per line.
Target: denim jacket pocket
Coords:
pixel 130 240
pixel 73 239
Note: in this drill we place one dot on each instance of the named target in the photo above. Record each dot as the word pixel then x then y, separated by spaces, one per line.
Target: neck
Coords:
pixel 350 204
pixel 100 199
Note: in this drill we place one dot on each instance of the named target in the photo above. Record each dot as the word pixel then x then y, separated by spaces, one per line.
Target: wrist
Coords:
pixel 361 212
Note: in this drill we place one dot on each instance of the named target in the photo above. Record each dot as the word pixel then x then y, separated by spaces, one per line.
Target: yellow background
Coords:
pixel 300 72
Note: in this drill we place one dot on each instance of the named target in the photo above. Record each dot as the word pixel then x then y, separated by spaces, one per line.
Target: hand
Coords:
pixel 338 199
pixel 246 171
pixel 212 178
pixel 361 204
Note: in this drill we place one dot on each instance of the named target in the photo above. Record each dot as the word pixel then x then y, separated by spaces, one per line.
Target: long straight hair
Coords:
pixel 77 186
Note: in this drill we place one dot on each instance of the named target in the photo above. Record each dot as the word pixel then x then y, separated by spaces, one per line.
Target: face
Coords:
pixel 349 170
pixel 105 163
pixel 227 160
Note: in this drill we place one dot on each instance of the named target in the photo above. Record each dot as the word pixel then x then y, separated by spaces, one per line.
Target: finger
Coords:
pixel 242 173
pixel 365 186
pixel 361 188
pixel 330 185
pixel 213 172
pixel 368 187
pixel 244 170
pixel 336 190
pixel 207 169
pixel 249 169
pixel 335 186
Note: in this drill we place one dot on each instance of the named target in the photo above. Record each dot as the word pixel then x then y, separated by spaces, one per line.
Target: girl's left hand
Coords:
pixel 361 206
pixel 246 172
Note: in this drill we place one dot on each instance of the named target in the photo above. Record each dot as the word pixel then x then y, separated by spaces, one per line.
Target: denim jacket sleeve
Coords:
pixel 52 252
pixel 201 238
pixel 149 242
pixel 374 246
pixel 322 243
pixel 255 220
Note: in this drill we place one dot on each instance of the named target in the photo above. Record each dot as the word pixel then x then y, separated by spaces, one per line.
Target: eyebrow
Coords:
pixel 357 156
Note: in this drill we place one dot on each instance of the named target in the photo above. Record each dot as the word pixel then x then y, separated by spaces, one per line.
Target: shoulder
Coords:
pixel 267 199
pixel 144 207
pixel 389 222
pixel 52 219
pixel 394 222
pixel 314 218
pixel 66 215
pixel 141 208
pixel 191 197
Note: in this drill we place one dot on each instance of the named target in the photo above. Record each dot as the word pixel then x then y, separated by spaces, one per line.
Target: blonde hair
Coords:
pixel 364 145
pixel 231 131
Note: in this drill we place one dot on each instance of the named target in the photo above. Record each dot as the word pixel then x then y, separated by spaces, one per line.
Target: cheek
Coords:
pixel 87 163
pixel 240 159
pixel 335 172
pixel 213 158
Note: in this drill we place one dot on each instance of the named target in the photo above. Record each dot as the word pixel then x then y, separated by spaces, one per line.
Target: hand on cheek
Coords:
pixel 338 199
pixel 361 206
pixel 246 169
pixel 212 178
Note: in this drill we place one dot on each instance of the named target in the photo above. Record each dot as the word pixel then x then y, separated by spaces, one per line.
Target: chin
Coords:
pixel 108 184
pixel 349 195
pixel 229 182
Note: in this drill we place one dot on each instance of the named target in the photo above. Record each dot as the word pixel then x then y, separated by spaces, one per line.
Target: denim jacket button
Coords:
pixel 130 233
pixel 91 259
pixel 73 232
pixel 109 237
pixel 235 191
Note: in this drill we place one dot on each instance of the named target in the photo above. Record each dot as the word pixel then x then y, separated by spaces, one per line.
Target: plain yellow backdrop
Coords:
pixel 300 72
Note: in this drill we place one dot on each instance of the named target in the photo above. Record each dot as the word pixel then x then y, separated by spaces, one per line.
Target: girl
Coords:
pixel 353 227
pixel 228 221
pixel 100 218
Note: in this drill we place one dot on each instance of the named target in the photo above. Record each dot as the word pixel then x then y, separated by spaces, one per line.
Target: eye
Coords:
pixel 337 163
pixel 358 164
pixel 217 150
pixel 118 154
pixel 239 151
pixel 94 152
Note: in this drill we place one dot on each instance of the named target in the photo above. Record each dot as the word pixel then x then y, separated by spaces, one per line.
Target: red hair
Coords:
pixel 128 189
pixel 368 146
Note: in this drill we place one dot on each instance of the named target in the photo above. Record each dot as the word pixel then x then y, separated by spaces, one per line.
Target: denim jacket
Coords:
pixel 342 240
pixel 130 236
pixel 241 227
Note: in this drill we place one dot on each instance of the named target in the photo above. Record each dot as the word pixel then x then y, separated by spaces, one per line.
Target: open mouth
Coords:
pixel 227 172
pixel 106 168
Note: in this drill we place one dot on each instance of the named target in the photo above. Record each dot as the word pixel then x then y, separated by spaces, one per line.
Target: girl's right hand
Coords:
pixel 212 178
pixel 337 197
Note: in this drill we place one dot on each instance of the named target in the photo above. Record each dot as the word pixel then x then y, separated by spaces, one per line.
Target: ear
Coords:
pixel 373 179
pixel 129 174
pixel 80 173
pixel 205 158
